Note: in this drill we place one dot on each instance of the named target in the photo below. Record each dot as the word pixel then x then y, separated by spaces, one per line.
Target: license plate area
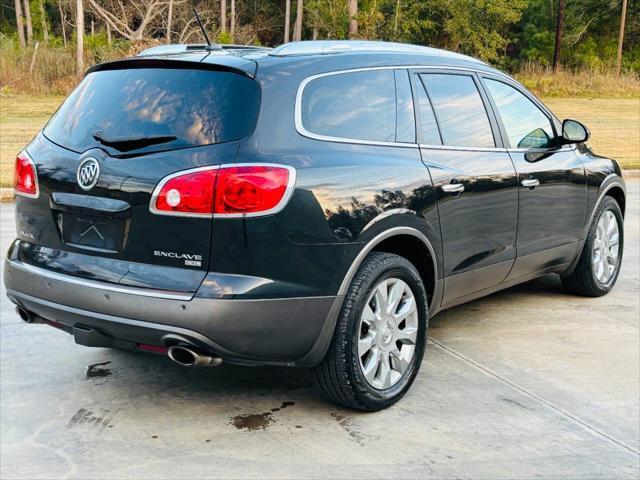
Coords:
pixel 93 232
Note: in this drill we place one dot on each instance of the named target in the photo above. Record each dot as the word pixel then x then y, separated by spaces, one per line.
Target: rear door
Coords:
pixel 474 178
pixel 552 187
pixel 127 129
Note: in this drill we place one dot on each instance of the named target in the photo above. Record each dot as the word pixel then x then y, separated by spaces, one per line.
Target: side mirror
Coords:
pixel 574 132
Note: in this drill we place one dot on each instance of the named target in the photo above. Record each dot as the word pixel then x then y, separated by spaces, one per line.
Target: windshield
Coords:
pixel 137 107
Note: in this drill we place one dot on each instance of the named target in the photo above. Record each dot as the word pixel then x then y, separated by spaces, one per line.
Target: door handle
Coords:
pixel 530 183
pixel 453 188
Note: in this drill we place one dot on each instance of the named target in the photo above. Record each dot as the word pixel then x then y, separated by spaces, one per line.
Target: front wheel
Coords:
pixel 599 264
pixel 380 336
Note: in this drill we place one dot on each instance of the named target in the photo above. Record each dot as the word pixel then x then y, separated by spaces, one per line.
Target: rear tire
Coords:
pixel 599 265
pixel 380 336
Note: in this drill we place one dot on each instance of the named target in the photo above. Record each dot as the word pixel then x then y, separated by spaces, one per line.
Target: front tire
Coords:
pixel 599 265
pixel 380 336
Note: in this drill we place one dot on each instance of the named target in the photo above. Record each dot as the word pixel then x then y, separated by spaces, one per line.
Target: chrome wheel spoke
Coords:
pixel 380 297
pixel 370 367
pixel 384 371
pixel 395 296
pixel 408 335
pixel 407 307
pixel 366 343
pixel 398 362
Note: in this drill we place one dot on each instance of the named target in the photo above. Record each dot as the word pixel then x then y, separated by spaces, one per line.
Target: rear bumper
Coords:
pixel 287 331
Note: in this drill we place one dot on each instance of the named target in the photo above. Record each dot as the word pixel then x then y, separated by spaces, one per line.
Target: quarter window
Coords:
pixel 526 125
pixel 355 105
pixel 459 110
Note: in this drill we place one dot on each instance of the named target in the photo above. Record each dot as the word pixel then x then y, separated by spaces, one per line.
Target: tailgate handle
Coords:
pixel 79 203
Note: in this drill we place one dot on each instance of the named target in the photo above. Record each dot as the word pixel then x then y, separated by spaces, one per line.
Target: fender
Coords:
pixel 318 351
pixel 610 181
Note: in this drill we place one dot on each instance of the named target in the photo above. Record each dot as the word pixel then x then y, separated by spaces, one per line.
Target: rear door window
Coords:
pixel 459 110
pixel 170 108
pixel 360 106
pixel 526 125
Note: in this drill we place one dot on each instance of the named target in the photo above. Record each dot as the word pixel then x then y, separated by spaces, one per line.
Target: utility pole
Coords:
pixel 623 18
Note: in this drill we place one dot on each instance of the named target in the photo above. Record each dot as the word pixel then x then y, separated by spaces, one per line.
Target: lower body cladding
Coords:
pixel 193 330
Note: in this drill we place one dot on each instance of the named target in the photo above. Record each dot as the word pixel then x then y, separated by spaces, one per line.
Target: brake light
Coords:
pixel 227 191
pixel 188 193
pixel 252 190
pixel 25 181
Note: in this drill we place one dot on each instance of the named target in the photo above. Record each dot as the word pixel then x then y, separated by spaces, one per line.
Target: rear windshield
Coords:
pixel 153 109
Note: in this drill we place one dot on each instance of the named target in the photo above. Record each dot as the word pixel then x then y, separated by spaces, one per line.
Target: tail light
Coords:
pixel 227 191
pixel 25 180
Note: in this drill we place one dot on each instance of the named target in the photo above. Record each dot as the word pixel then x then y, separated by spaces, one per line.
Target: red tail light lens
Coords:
pixel 187 193
pixel 226 191
pixel 25 181
pixel 251 190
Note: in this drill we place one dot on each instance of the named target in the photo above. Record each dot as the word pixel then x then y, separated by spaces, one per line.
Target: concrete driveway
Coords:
pixel 527 383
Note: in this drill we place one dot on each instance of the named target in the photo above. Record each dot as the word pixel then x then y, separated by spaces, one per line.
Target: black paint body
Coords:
pixel 270 288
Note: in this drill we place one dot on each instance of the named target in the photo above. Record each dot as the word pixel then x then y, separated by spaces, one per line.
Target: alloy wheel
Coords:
pixel 605 254
pixel 387 334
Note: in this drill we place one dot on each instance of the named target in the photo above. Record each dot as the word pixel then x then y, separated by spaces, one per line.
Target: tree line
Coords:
pixel 597 34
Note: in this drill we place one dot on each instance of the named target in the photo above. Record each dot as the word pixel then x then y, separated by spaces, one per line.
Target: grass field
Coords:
pixel 614 124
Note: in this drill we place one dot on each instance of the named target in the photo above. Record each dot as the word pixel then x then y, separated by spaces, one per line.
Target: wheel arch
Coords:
pixel 391 240
pixel 408 242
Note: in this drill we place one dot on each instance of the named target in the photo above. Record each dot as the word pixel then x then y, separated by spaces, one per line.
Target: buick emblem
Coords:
pixel 88 173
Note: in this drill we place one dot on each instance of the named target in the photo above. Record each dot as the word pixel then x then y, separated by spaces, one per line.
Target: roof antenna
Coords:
pixel 204 32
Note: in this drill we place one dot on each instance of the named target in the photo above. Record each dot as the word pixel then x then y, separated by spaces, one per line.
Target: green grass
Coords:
pixel 614 124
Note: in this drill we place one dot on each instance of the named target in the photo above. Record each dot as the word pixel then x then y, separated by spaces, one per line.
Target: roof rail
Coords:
pixel 327 47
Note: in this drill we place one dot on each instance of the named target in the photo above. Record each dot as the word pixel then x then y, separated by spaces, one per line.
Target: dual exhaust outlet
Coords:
pixel 187 356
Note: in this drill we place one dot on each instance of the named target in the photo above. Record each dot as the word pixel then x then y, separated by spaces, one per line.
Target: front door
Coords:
pixel 474 178
pixel 552 189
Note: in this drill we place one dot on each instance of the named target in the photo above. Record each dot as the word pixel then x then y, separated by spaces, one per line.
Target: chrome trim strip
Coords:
pixel 346 282
pixel 388 213
pixel 142 292
pixel 298 105
pixel 33 164
pixel 463 149
pixel 602 195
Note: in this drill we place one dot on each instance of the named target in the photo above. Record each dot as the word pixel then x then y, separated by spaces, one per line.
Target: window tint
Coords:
pixel 406 119
pixel 428 124
pixel 188 107
pixel 459 110
pixel 358 105
pixel 526 125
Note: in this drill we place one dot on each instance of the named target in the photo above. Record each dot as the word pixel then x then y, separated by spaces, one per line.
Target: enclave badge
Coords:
pixel 88 173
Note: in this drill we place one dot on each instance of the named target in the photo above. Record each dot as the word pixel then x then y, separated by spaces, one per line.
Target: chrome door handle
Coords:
pixel 531 183
pixel 453 188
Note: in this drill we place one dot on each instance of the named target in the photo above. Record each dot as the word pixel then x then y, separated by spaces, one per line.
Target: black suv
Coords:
pixel 311 205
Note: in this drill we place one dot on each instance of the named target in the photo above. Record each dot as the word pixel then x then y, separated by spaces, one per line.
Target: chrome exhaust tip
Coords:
pixel 27 316
pixel 191 357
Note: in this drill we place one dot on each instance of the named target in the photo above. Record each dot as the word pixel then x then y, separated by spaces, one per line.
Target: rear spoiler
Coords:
pixel 192 61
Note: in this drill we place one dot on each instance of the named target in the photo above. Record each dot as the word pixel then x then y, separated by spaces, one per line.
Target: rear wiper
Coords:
pixel 125 144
